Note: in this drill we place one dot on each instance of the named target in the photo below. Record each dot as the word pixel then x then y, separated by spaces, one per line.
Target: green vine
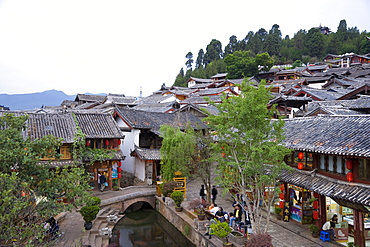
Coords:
pixel 80 152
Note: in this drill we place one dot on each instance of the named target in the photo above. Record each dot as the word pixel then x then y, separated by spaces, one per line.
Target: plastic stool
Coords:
pixel 324 236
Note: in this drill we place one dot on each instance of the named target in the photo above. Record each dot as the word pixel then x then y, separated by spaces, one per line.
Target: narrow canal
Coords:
pixel 146 227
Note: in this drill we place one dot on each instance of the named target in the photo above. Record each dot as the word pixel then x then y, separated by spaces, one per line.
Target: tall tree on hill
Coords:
pixel 215 67
pixel 199 61
pixel 213 52
pixel 256 43
pixel 273 41
pixel 180 80
pixel 315 43
pixel 264 61
pixel 299 40
pixel 189 61
pixel 232 46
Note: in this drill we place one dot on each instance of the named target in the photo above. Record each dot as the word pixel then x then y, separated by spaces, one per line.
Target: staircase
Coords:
pixel 102 228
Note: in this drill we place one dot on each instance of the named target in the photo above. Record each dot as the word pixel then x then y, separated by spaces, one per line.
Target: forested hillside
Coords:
pixel 260 50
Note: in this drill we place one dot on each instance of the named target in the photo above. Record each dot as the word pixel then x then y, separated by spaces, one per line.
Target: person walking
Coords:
pixel 102 181
pixel 202 193
pixel 214 193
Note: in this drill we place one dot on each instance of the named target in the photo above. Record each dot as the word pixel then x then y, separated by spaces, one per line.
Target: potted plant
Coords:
pixel 278 213
pixel 178 198
pixel 314 230
pixel 221 230
pixel 199 208
pixel 89 213
pixel 167 188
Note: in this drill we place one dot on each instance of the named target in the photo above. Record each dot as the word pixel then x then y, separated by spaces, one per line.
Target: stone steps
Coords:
pixel 94 236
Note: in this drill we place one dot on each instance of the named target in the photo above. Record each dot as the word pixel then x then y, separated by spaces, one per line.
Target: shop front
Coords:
pixel 111 169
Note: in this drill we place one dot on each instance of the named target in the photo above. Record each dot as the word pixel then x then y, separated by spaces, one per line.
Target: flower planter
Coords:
pixel 201 216
pixel 237 238
pixel 178 209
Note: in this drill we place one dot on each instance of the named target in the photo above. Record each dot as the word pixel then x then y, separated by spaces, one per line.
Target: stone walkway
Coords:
pixel 284 234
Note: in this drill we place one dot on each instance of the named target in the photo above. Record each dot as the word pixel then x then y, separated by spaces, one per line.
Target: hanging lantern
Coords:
pixel 300 165
pixel 119 163
pixel 88 143
pixel 300 155
pixel 349 176
pixel 316 204
pixel 315 215
pixel 281 204
pixel 316 195
pixel 349 164
pixel 119 169
pixel 281 196
pixel 119 175
pixel 265 194
pixel 282 187
pixel 106 142
pixel 119 141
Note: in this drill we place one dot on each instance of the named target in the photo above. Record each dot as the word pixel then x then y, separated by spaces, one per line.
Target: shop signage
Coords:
pixel 286 212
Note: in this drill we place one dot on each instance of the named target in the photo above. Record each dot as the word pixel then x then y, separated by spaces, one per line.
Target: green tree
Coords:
pixel 240 64
pixel 273 41
pixel 251 142
pixel 29 189
pixel 180 80
pixel 199 61
pixel 232 46
pixel 177 151
pixel 189 61
pixel 256 43
pixel 264 61
pixel 213 52
pixel 315 43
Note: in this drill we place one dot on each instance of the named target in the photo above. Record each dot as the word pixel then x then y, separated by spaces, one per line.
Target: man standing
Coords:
pixel 202 193
pixel 102 181
pixel 214 193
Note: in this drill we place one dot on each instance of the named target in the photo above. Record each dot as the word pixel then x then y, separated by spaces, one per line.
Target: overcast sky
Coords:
pixel 118 46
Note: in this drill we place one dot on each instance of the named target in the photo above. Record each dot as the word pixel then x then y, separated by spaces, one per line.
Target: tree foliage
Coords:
pixel 29 189
pixel 250 141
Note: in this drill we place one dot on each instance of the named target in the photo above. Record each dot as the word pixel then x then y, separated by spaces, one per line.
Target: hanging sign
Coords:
pixel 286 212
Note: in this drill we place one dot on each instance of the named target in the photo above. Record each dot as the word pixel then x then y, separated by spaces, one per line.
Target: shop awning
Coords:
pixel 356 194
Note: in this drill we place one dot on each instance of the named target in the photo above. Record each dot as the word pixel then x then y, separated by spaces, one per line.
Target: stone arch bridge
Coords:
pixel 123 199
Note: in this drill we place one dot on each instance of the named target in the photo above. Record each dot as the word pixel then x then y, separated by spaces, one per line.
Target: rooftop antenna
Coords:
pixel 141 91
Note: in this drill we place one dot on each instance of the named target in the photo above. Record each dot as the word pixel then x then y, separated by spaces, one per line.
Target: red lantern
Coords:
pixel 316 204
pixel 282 187
pixel 349 176
pixel 315 215
pixel 281 204
pixel 119 141
pixel 88 143
pixel 119 170
pixel 300 155
pixel 300 165
pixel 119 163
pixel 281 196
pixel 349 164
pixel 119 175
pixel 106 142
pixel 316 195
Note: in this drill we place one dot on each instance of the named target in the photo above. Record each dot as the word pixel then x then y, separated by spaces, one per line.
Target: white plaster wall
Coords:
pixel 131 138
pixel 140 169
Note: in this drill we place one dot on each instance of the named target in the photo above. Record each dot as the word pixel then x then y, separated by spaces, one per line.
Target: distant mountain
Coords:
pixel 35 100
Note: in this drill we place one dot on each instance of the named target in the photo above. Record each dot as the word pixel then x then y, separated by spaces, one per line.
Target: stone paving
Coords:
pixel 284 234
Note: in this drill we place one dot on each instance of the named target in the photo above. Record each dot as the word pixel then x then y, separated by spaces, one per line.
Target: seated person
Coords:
pixel 221 215
pixel 329 227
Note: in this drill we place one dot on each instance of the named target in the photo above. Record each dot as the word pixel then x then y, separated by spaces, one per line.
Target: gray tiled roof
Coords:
pixel 332 111
pixel 338 135
pixel 321 94
pixel 201 99
pixel 335 189
pixel 98 125
pixel 90 98
pixel 153 120
pixel 210 91
pixel 159 107
pixel 146 153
